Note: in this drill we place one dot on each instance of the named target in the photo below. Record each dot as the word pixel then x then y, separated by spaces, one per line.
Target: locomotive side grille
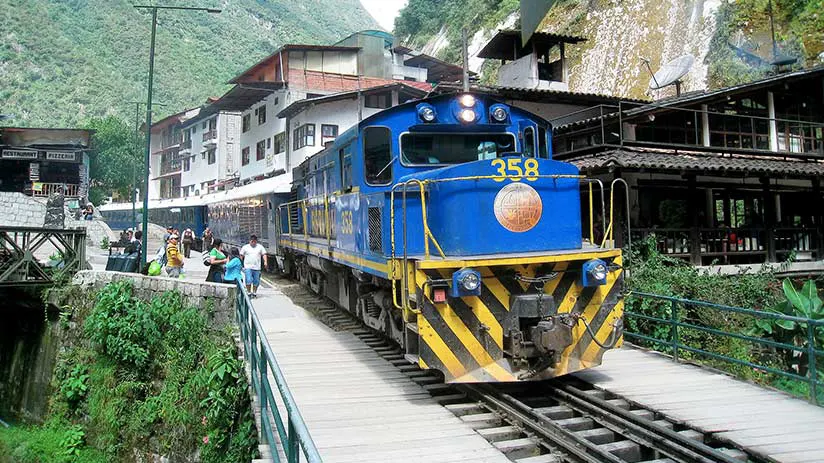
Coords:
pixel 375 236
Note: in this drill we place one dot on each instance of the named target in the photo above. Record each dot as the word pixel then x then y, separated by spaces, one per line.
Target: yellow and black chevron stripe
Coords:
pixel 464 338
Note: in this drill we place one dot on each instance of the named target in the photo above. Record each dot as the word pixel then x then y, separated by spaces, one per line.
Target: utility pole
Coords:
pixel 147 155
pixel 465 52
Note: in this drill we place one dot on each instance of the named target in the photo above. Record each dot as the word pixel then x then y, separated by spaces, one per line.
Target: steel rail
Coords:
pixel 574 447
pixel 643 431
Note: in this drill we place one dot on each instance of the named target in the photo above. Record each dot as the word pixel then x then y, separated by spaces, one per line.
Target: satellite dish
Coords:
pixel 671 73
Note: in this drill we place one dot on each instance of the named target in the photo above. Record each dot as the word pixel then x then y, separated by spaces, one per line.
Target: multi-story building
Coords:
pixel 271 120
pixel 165 166
pixel 203 137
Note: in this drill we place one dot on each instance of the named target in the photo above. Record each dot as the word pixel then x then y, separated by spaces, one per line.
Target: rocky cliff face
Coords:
pixel 729 39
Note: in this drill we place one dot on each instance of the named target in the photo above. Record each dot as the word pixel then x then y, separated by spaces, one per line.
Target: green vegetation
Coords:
pixel 142 379
pixel 66 62
pixel 421 20
pixel 657 274
pixel 117 159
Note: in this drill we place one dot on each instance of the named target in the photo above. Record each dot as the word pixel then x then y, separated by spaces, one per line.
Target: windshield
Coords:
pixel 452 148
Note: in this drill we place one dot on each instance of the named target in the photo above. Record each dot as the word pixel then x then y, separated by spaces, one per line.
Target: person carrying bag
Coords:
pixel 216 260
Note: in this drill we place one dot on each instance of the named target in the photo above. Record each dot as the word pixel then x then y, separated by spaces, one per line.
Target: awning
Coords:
pixel 679 161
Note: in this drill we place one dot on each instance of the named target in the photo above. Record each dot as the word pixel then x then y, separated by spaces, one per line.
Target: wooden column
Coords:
pixel 769 219
pixel 695 226
pixel 818 217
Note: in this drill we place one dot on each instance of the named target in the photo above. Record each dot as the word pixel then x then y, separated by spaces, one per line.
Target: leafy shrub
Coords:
pixel 104 243
pixel 122 327
pixel 75 386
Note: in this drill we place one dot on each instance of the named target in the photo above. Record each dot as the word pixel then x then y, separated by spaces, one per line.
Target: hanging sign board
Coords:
pixel 68 156
pixel 19 154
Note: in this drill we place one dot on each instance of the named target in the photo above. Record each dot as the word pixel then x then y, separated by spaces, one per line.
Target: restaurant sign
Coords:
pixel 19 154
pixel 60 156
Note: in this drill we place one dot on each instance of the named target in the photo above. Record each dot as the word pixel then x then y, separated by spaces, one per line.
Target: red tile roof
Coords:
pixel 327 82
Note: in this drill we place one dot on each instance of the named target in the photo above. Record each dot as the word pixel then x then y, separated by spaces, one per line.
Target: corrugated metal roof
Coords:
pixel 506 44
pixel 299 105
pixel 702 162
pixel 536 94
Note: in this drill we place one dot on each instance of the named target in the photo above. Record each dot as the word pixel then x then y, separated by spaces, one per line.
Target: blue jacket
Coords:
pixel 234 268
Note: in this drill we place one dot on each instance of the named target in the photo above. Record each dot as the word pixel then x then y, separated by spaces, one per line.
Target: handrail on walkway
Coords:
pixel 672 340
pixel 293 435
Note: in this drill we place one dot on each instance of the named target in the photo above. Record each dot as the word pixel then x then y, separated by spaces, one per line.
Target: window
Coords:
pixel 543 143
pixel 377 155
pixel 203 126
pixel 244 156
pixel 345 166
pixel 261 114
pixel 378 101
pixel 304 136
pixel 211 154
pixel 328 133
pixel 186 165
pixel 268 143
pixel 260 151
pixel 246 122
pixel 280 142
pixel 436 148
pixel 529 142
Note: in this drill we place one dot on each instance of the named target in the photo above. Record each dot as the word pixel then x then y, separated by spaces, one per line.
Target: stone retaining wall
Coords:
pixel 196 293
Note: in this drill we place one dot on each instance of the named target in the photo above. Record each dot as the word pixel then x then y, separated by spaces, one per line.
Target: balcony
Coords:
pixel 70 190
pixel 185 147
pixel 703 246
pixel 654 126
pixel 210 138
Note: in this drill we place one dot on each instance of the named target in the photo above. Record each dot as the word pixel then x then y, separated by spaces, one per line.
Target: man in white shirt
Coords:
pixel 252 254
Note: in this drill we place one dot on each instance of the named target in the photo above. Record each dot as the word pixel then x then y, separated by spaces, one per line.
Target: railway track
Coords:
pixel 560 421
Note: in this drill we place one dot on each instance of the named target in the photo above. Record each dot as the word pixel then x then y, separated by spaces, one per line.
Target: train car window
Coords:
pixel 543 142
pixel 345 166
pixel 452 148
pixel 529 142
pixel 377 155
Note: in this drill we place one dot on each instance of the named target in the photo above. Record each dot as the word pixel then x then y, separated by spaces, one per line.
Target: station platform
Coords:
pixel 357 406
pixel 770 423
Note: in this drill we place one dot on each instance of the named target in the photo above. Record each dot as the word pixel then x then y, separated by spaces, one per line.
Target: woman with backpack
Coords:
pixel 215 260
pixel 187 239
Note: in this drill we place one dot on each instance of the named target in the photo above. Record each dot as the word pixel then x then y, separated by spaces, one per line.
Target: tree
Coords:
pixel 116 158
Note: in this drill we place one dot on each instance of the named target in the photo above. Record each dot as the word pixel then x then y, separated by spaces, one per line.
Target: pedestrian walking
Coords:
pixel 187 240
pixel 208 240
pixel 168 233
pixel 234 268
pixel 216 259
pixel 174 261
pixel 252 254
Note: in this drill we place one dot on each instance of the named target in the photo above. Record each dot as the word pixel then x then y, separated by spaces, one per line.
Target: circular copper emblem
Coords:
pixel 518 207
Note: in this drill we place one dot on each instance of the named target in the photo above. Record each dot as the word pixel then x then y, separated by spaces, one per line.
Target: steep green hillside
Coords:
pixel 64 61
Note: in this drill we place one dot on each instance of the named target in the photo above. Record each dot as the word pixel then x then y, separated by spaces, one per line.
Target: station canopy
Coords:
pixel 506 44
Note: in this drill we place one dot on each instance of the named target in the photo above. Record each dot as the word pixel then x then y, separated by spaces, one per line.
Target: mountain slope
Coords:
pixel 621 33
pixel 62 62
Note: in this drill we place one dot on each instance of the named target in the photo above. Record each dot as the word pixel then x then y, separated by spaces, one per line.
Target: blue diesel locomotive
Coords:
pixel 446 224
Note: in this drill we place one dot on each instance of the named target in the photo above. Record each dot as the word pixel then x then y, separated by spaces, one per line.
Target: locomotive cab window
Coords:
pixel 529 142
pixel 452 148
pixel 377 155
pixel 543 143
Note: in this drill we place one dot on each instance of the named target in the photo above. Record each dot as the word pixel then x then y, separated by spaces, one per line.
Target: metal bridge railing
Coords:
pixel 677 324
pixel 293 433
pixel 40 256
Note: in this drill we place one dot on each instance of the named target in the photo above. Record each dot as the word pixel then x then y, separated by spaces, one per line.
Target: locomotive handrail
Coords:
pixel 294 436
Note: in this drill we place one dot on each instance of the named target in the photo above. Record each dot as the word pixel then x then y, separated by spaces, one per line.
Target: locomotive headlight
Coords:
pixel 498 113
pixel 467 100
pixel 465 282
pixel 594 273
pixel 468 115
pixel 427 113
pixel 471 281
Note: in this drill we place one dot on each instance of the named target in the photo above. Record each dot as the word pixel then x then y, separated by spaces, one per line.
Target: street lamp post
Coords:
pixel 154 8
pixel 133 192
